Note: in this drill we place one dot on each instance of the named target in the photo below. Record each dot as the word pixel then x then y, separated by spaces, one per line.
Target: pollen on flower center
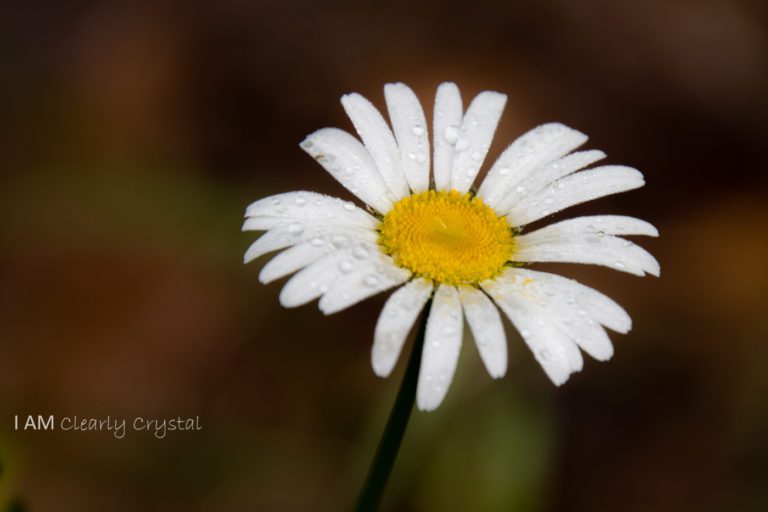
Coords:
pixel 448 237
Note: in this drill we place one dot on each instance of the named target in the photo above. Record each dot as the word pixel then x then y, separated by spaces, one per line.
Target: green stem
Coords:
pixel 373 489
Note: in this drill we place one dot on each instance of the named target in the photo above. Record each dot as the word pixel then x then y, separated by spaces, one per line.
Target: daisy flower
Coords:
pixel 441 239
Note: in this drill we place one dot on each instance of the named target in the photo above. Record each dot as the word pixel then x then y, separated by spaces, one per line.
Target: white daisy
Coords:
pixel 442 240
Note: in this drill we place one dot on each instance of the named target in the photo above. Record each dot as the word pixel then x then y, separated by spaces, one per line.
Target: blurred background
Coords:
pixel 133 135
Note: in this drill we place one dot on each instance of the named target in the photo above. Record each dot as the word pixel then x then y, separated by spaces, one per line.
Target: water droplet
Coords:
pixel 544 354
pixel 504 171
pixel 417 130
pixel 295 228
pixel 476 156
pixel 582 312
pixel 436 344
pixel 340 241
pixel 349 206
pixel 360 252
pixel 525 333
pixel 462 143
pixel 281 209
pixel 520 189
pixel 421 158
pixel 275 200
pixel 451 134
pixel 618 264
pixel 449 330
pixel 300 201
pixel 429 377
pixel 346 267
pixel 549 200
pixel 371 280
pixel 317 242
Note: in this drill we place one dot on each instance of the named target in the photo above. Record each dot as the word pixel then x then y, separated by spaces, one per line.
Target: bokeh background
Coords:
pixel 133 135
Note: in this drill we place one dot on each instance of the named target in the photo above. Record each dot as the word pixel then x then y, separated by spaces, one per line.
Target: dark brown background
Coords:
pixel 133 136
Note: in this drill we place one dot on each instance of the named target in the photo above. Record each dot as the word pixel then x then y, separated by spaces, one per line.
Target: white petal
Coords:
pixel 291 260
pixel 590 337
pixel 526 156
pixel 311 282
pixel 345 158
pixel 587 301
pixel 536 181
pixel 395 322
pixel 569 306
pixel 447 127
pixel 305 253
pixel 315 232
pixel 596 249
pixel 305 205
pixel 360 279
pixel 575 310
pixel 410 127
pixel 477 129
pixel 553 349
pixel 573 189
pixel 485 322
pixel 441 348
pixel 591 226
pixel 379 141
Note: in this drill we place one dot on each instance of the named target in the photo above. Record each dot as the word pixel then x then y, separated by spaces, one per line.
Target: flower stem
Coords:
pixel 373 489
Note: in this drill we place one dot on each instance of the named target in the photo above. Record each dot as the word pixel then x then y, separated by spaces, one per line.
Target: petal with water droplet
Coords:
pixel 264 214
pixel 485 322
pixel 477 127
pixel 557 354
pixel 447 119
pixel 281 237
pixel 573 189
pixel 379 141
pixel 345 158
pixel 395 322
pixel 368 277
pixel 406 113
pixel 291 260
pixel 442 343
pixel 526 156
pixel 571 242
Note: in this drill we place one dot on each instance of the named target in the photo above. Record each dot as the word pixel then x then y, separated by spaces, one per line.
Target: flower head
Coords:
pixel 465 249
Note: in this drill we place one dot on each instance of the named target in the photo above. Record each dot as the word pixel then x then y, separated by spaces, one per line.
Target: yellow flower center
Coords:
pixel 448 237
